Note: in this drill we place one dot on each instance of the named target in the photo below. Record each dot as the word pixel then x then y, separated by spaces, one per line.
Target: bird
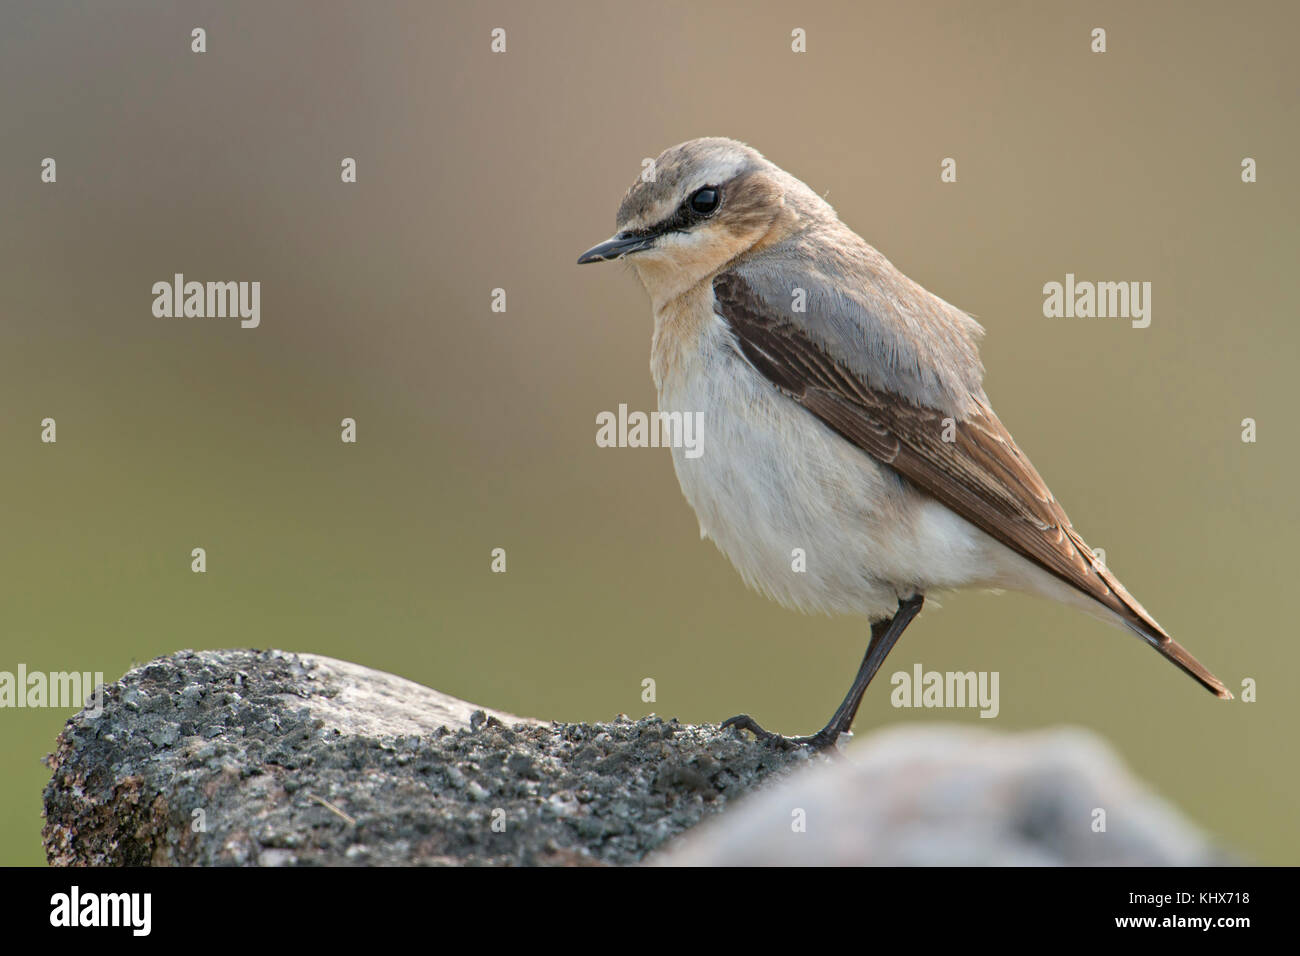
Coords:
pixel 844 414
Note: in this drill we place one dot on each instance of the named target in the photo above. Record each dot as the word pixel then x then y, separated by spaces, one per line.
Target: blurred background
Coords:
pixel 476 429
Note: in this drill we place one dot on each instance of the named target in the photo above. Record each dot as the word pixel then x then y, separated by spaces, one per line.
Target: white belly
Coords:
pixel 771 479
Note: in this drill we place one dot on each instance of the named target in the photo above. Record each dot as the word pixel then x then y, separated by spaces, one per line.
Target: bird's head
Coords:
pixel 700 205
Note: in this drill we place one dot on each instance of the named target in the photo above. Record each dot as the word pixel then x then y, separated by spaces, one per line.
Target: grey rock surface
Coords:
pixel 915 796
pixel 270 758
pixel 266 758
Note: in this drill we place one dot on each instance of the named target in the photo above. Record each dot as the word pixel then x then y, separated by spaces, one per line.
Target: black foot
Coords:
pixel 822 740
pixel 884 635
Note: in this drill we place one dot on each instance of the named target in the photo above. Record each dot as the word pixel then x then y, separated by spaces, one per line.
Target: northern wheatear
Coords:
pixel 844 414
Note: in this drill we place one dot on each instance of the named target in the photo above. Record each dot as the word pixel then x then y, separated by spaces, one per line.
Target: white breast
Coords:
pixel 772 479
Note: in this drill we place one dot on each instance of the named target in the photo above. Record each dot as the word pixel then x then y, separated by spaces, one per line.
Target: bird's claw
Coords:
pixel 822 740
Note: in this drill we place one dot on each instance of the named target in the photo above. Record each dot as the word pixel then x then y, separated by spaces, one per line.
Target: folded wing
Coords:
pixel 969 463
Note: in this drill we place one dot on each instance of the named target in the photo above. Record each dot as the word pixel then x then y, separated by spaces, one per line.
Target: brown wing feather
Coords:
pixel 979 472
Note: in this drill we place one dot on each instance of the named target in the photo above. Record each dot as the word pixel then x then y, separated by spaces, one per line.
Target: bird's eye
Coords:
pixel 705 200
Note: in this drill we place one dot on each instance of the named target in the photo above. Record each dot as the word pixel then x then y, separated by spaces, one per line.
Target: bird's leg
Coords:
pixel 884 635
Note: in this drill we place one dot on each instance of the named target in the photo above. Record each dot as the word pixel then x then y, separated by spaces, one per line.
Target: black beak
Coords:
pixel 616 248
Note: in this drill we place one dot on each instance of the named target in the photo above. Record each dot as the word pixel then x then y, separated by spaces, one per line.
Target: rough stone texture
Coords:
pixel 296 759
pixel 289 759
pixel 956 796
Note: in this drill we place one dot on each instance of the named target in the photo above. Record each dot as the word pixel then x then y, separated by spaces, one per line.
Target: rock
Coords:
pixel 274 759
pixel 264 758
pixel 954 796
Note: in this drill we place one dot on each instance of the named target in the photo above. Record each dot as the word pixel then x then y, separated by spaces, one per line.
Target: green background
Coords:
pixel 476 429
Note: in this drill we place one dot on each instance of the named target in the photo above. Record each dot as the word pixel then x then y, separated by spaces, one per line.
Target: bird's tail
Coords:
pixel 1141 623
pixel 1175 652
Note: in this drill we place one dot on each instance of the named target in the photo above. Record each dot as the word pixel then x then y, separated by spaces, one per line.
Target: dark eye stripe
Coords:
pixel 683 217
